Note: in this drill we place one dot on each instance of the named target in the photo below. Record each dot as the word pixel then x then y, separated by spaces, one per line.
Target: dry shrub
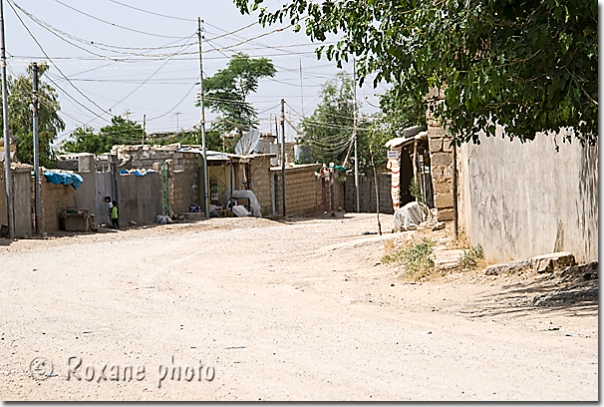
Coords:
pixel 416 257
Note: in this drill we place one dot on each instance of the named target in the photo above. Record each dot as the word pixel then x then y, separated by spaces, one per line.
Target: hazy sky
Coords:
pixel 147 62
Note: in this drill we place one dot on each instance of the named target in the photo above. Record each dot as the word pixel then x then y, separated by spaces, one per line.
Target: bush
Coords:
pixel 471 256
pixel 416 257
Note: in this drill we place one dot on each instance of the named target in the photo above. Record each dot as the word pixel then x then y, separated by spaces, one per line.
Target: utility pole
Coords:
pixel 206 203
pixel 354 134
pixel 283 153
pixel 9 180
pixel 144 128
pixel 35 106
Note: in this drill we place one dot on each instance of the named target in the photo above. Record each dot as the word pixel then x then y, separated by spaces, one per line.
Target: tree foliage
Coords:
pixel 20 120
pixel 120 131
pixel 529 66
pixel 329 129
pixel 226 92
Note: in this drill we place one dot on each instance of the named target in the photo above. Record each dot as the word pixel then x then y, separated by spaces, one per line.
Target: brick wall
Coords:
pixel 184 181
pixel 261 183
pixel 54 199
pixel 300 191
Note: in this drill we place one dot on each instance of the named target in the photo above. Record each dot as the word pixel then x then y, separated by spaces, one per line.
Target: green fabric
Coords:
pixel 114 212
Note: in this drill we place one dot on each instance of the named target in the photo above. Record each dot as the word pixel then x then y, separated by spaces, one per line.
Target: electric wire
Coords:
pixel 62 74
pixel 115 25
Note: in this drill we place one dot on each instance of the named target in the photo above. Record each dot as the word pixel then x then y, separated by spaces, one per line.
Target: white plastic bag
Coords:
pixel 240 211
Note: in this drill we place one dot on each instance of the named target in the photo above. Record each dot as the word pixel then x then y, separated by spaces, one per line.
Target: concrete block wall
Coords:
pixel 300 191
pixel 53 200
pixel 520 200
pixel 261 183
pixel 86 195
pixel 184 182
pixel 367 197
pixel 139 198
pixel 144 156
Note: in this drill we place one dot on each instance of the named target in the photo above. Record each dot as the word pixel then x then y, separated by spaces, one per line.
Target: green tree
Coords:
pixel 193 137
pixel 21 117
pixel 328 131
pixel 530 66
pixel 226 92
pixel 120 131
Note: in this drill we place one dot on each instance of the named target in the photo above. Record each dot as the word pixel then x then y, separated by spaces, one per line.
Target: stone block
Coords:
pixel 548 263
pixel 447 147
pixel 511 267
pixel 443 200
pixel 441 171
pixel 443 185
pixel 436 144
pixel 441 159
pixel 443 215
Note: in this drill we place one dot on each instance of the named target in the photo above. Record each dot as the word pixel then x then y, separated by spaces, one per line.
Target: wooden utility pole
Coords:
pixel 9 178
pixel 283 153
pixel 35 107
pixel 206 203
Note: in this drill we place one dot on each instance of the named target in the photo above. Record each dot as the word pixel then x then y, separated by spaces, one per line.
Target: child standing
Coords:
pixel 109 207
pixel 114 215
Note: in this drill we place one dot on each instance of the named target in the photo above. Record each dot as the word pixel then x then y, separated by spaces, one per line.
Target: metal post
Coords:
pixel 283 153
pixel 206 203
pixel 144 128
pixel 35 107
pixel 354 130
pixel 9 180
pixel 455 215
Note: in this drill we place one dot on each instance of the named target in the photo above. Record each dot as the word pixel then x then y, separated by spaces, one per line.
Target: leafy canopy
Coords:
pixel 530 66
pixel 329 129
pixel 20 121
pixel 126 132
pixel 226 92
pixel 120 131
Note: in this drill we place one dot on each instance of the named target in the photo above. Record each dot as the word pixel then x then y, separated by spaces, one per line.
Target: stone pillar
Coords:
pixel 441 163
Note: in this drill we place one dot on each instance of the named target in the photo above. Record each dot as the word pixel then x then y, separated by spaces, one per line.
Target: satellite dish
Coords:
pixel 248 142
pixel 411 131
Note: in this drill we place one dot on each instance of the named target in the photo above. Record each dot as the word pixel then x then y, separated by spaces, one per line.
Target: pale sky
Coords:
pixel 147 61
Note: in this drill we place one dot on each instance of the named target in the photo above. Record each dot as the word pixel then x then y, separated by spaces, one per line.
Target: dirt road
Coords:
pixel 252 309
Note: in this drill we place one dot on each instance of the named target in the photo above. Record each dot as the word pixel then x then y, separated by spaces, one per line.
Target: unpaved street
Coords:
pixel 274 311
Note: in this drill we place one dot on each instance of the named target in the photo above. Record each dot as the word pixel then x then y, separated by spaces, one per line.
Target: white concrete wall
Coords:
pixel 521 200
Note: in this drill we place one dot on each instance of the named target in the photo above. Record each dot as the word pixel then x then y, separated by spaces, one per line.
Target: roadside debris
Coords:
pixel 511 267
pixel 163 220
pixel 411 216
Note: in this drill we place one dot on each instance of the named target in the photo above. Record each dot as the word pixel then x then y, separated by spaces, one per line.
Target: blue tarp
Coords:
pixel 138 173
pixel 64 178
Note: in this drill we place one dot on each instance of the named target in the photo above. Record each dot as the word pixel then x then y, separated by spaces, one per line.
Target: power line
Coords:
pixel 116 25
pixel 61 72
pixel 57 32
pixel 176 105
pixel 152 13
